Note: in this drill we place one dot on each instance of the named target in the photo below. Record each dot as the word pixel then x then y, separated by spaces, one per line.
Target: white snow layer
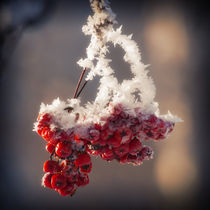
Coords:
pixel 100 27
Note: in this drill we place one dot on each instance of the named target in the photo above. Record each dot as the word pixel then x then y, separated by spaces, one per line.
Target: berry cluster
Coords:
pixel 118 136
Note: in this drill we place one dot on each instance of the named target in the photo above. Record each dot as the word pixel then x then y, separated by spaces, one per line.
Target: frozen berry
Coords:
pixel 86 168
pixel 46 180
pixel 114 141
pixel 50 148
pixel 122 150
pixel 51 166
pixel 68 190
pixel 83 180
pixel 63 149
pixel 83 159
pixel 135 146
pixel 58 181
pixel 46 133
pixel 107 154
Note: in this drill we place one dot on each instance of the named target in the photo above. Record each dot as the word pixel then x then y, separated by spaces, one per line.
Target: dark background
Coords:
pixel 40 43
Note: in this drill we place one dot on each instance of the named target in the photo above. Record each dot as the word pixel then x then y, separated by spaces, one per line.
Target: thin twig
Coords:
pixel 78 84
pixel 81 89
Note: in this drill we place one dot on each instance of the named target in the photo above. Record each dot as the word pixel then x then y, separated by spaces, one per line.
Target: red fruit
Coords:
pixel 58 181
pixel 63 149
pixel 114 141
pixel 70 135
pixel 135 146
pixel 124 159
pixel 68 190
pixel 132 158
pixel 94 134
pixel 50 148
pixel 125 133
pixel 83 180
pixel 45 118
pixel 82 159
pixel 97 126
pixel 46 180
pixel 39 128
pixel 54 140
pixel 105 134
pixel 86 168
pixel 152 120
pixel 46 133
pixel 95 150
pixel 65 165
pixel 51 166
pixel 107 154
pixel 122 150
pixel 73 177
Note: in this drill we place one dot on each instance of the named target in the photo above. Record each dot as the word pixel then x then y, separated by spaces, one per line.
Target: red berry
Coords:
pixel 86 168
pixel 58 181
pixel 122 150
pixel 50 148
pixel 114 141
pixel 51 166
pixel 83 180
pixel 45 118
pixel 82 159
pixel 94 134
pixel 125 133
pixel 107 154
pixel 46 133
pixel 46 180
pixel 132 158
pixel 39 127
pixel 65 165
pixel 135 146
pixel 73 177
pixel 97 126
pixel 54 140
pixel 63 149
pixel 124 159
pixel 68 190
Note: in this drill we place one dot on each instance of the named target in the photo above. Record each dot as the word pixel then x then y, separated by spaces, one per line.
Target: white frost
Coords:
pixel 101 28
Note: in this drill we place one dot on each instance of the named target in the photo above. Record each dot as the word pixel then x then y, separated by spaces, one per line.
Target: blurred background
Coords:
pixel 40 43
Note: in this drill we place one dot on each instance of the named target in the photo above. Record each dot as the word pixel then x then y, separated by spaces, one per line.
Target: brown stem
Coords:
pixel 78 84
pixel 81 89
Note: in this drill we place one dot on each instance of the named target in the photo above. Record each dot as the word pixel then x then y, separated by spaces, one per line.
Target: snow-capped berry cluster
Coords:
pixel 114 125
pixel 122 134
pixel 118 136
pixel 72 163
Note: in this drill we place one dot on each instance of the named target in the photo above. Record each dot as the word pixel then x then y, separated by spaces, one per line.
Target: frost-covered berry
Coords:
pixel 82 159
pixel 46 133
pixel 51 166
pixel 122 150
pixel 46 180
pixel 68 190
pixel 58 181
pixel 108 154
pixel 114 141
pixel 85 168
pixel 135 146
pixel 83 180
pixel 50 148
pixel 63 149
